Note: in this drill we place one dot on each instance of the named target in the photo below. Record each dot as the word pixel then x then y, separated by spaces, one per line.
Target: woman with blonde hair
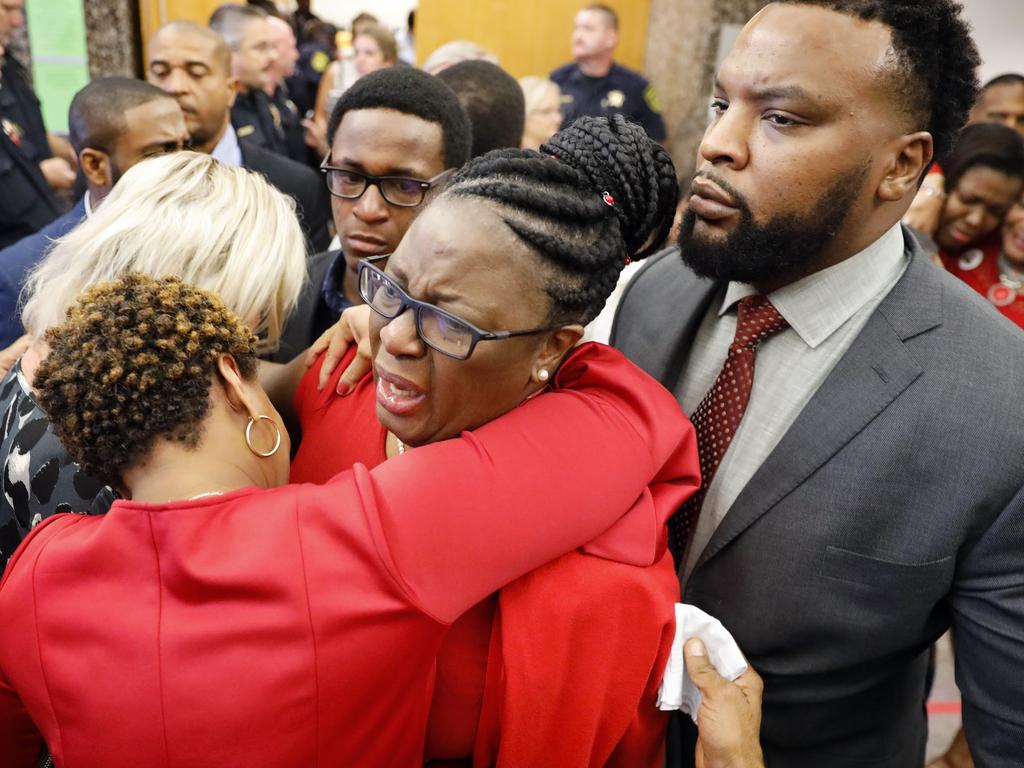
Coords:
pixel 543 110
pixel 224 229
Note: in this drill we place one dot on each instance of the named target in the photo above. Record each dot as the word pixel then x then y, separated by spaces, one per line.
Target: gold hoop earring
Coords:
pixel 543 375
pixel 248 435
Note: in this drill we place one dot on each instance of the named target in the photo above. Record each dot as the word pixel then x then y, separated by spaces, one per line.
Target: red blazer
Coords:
pixel 299 625
pixel 566 671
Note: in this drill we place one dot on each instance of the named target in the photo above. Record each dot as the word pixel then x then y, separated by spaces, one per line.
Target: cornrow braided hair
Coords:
pixel 599 193
pixel 132 364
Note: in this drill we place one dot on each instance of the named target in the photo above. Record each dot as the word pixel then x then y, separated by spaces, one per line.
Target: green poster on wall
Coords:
pixel 60 62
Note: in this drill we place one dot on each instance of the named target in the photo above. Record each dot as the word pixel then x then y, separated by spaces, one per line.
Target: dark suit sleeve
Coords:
pixel 316 210
pixel 987 604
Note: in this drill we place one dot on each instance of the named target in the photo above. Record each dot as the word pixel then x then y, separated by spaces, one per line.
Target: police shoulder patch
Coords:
pixel 319 61
pixel 651 98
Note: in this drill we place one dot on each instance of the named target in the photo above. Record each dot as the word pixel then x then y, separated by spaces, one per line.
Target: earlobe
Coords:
pixel 231 381
pixel 558 344
pixel 95 166
pixel 913 155
pixel 233 85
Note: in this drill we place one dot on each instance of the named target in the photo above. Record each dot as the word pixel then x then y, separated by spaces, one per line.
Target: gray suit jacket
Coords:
pixel 891 509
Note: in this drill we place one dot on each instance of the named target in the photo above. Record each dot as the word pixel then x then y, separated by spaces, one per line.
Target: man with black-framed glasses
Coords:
pixel 395 138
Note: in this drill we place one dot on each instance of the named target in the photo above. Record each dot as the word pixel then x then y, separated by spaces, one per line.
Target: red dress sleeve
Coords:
pixel 457 520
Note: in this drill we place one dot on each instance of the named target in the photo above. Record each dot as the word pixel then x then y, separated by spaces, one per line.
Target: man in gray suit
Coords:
pixel 864 487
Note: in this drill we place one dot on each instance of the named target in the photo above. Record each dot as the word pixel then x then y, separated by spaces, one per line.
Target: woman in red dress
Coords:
pixel 995 269
pixel 218 616
pixel 985 178
pixel 561 667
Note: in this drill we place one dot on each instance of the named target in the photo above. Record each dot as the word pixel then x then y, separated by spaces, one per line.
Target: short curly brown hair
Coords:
pixel 132 364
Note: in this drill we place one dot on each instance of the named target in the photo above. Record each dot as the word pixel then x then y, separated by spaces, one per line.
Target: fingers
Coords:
pixel 340 341
pixel 319 346
pixel 357 369
pixel 700 668
pixel 751 684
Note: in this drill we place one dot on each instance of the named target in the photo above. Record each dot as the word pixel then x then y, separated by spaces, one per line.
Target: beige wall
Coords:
pixel 682 50
pixel 530 37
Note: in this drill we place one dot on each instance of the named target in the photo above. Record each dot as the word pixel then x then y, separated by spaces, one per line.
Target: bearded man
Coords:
pixel 864 486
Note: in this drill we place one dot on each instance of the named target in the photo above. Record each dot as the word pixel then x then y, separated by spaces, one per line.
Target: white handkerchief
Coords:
pixel 677 689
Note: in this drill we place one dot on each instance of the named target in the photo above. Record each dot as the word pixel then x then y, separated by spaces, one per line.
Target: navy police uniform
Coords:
pixel 258 120
pixel 291 124
pixel 27 204
pixel 621 92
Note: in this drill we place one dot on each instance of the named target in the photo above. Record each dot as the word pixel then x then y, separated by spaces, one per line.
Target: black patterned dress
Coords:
pixel 39 478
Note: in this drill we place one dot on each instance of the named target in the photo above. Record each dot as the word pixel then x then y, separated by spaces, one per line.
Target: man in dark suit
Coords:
pixel 863 483
pixel 193 64
pixel 115 122
pixel 399 123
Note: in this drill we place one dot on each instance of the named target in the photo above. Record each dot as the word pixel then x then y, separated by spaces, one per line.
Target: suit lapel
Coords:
pixel 661 348
pixel 875 370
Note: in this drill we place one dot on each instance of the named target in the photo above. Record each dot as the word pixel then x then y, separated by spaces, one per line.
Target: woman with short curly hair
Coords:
pixel 224 229
pixel 218 616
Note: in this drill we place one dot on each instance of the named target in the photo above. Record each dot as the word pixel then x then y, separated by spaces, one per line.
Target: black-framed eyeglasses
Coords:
pixel 401 191
pixel 440 330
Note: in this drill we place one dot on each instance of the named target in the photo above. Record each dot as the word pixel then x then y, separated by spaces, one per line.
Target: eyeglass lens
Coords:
pixel 441 331
pixel 396 190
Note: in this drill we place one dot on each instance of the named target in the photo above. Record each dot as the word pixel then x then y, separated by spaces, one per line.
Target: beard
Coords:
pixel 786 247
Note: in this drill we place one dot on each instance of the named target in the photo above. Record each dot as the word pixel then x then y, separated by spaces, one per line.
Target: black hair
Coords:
pixel 989 145
pixel 493 100
pixel 1009 78
pixel 411 92
pixel 96 116
pixel 935 60
pixel 598 193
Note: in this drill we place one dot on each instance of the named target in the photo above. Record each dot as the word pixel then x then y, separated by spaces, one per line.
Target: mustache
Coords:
pixel 729 189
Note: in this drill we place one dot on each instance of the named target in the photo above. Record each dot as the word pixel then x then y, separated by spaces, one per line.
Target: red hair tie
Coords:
pixel 608 200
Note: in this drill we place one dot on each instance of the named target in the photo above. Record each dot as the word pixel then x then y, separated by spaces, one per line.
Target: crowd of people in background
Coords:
pixel 303 335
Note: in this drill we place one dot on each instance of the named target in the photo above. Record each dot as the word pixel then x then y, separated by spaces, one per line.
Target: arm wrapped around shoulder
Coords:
pixel 607 446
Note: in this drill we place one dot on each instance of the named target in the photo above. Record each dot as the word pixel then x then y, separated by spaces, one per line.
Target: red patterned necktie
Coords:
pixel 719 413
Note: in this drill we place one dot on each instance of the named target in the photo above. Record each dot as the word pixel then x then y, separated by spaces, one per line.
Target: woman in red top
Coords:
pixel 985 177
pixel 519 240
pixel 221 617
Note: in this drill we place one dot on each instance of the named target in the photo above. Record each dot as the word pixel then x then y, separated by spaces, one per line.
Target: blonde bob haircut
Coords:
pixel 535 89
pixel 225 230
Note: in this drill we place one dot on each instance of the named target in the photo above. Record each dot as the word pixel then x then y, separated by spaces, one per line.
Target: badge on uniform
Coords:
pixel 971 259
pixel 319 61
pixel 245 130
pixel 615 99
pixel 1001 295
pixel 651 97
pixel 12 130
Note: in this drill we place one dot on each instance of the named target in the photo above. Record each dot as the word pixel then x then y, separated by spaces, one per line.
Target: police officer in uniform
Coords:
pixel 27 201
pixel 255 117
pixel 595 85
pixel 284 68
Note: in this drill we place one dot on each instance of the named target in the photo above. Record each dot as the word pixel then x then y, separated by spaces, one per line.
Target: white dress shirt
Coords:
pixel 227 150
pixel 825 312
